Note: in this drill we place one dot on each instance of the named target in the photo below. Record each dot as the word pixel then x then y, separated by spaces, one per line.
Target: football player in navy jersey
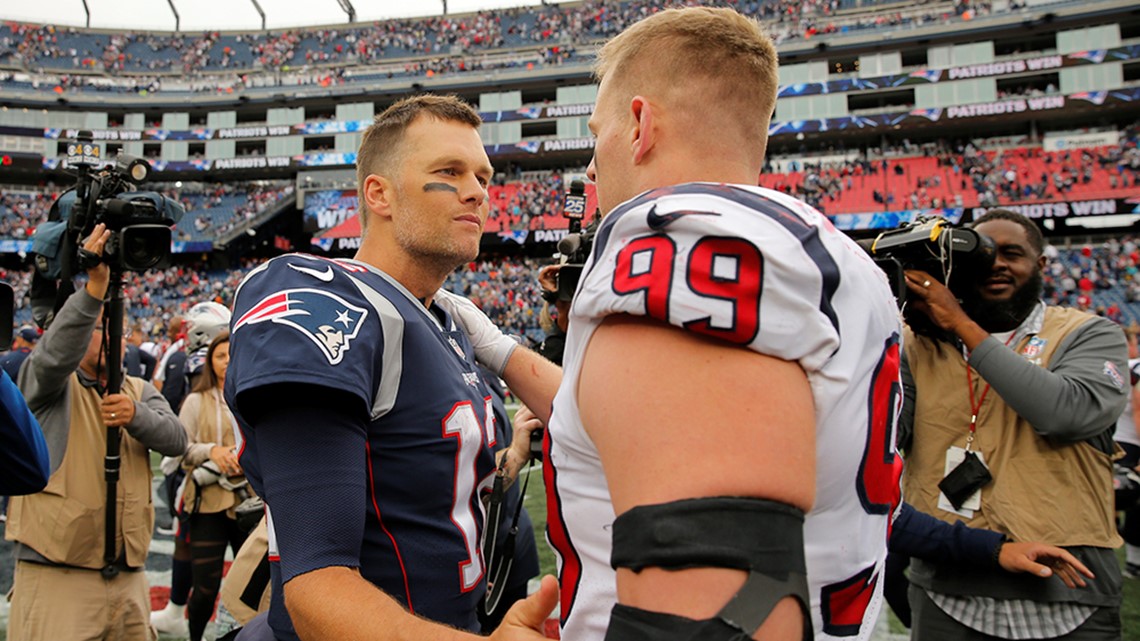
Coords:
pixel 368 430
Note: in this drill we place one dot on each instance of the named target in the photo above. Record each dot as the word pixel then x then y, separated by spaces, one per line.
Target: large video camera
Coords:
pixel 140 221
pixel 955 256
pixel 575 247
pixel 140 225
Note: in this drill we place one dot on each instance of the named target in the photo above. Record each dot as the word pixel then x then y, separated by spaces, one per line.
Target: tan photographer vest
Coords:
pixel 65 522
pixel 1059 493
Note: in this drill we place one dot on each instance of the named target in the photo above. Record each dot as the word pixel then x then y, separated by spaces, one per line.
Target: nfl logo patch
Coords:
pixel 1034 347
pixel 1114 374
pixel 455 346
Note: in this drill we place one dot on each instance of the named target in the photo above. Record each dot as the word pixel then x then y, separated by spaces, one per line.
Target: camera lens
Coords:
pixel 143 246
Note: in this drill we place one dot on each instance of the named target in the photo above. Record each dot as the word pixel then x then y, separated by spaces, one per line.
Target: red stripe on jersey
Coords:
pixel 352 267
pixel 571 572
pixel 375 506
pixel 844 604
pixel 267 306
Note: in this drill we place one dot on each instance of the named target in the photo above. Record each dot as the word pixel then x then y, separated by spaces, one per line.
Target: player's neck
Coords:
pixel 420 277
pixel 727 169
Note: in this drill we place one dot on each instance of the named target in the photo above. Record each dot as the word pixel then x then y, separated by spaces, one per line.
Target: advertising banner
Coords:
pixel 327 209
pixel 986 70
pixel 1061 142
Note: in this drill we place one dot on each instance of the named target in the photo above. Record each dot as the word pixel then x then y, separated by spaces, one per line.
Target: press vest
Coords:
pixel 65 522
pixel 1042 490
pixel 213 419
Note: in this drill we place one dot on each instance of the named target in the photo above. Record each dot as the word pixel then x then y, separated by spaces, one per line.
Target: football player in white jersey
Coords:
pixel 725 421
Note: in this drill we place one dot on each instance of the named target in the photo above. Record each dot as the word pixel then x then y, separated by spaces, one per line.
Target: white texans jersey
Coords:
pixel 763 270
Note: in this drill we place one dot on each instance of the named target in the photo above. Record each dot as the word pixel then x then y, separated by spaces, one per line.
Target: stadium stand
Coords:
pixel 241 212
pixel 212 210
pixel 429 46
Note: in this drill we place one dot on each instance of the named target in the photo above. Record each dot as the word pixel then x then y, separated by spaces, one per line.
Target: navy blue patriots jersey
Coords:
pixel 429 435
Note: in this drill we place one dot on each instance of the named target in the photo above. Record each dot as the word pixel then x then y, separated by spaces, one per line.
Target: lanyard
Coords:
pixel 975 407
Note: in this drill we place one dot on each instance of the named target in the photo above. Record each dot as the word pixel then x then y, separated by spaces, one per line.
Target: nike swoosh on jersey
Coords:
pixel 325 275
pixel 661 221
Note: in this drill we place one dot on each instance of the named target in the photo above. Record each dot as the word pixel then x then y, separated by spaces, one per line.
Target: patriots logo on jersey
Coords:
pixel 327 319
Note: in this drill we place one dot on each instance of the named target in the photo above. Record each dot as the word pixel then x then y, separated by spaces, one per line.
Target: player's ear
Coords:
pixel 643 133
pixel 378 194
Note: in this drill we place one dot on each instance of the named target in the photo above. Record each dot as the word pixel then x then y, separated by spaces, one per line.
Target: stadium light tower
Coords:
pixel 177 18
pixel 260 12
pixel 87 10
pixel 346 6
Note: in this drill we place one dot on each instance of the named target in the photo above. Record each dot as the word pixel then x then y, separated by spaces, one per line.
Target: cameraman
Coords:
pixel 59 590
pixel 1043 433
pixel 555 315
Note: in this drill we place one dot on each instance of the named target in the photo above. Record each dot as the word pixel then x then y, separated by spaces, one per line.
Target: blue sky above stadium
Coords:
pixel 203 15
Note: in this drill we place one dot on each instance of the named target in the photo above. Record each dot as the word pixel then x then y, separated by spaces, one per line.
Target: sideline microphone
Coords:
pixel 574 207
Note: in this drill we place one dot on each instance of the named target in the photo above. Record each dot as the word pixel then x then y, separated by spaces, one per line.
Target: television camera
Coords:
pixel 140 225
pixel 140 221
pixel 955 256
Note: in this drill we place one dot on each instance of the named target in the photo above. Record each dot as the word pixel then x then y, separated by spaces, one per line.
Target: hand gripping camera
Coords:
pixel 140 221
pixel 935 247
pixel 955 256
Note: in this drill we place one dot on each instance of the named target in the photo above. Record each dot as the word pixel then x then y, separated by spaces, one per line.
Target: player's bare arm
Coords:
pixel 757 442
pixel 312 597
pixel 531 377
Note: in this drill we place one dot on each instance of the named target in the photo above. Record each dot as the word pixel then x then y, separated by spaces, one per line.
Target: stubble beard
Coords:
pixel 440 254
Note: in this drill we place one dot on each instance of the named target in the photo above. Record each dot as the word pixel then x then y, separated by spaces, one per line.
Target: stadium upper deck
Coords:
pixel 36 47
pixel 288 104
pixel 512 46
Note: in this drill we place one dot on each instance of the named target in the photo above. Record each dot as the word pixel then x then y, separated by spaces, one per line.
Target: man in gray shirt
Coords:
pixel 1031 393
pixel 63 587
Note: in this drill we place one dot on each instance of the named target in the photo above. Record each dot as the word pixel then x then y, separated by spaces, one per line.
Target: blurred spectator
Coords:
pixel 23 340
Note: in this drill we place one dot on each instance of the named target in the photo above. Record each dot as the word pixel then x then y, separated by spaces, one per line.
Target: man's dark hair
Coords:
pixel 1032 232
pixel 380 146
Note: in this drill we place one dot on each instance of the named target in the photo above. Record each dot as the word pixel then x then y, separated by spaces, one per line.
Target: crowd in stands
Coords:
pixel 213 210
pixel 936 175
pixel 528 204
pixel 217 209
pixel 910 176
pixel 507 290
pixel 1101 277
pixel 437 44
pixel 22 211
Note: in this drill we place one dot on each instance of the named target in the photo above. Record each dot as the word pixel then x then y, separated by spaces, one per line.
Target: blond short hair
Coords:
pixel 721 60
pixel 380 149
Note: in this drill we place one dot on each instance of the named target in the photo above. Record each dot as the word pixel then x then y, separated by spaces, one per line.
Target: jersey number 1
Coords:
pixel 463 424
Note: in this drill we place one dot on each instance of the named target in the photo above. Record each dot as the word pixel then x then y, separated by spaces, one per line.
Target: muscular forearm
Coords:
pixel 336 603
pixel 534 380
